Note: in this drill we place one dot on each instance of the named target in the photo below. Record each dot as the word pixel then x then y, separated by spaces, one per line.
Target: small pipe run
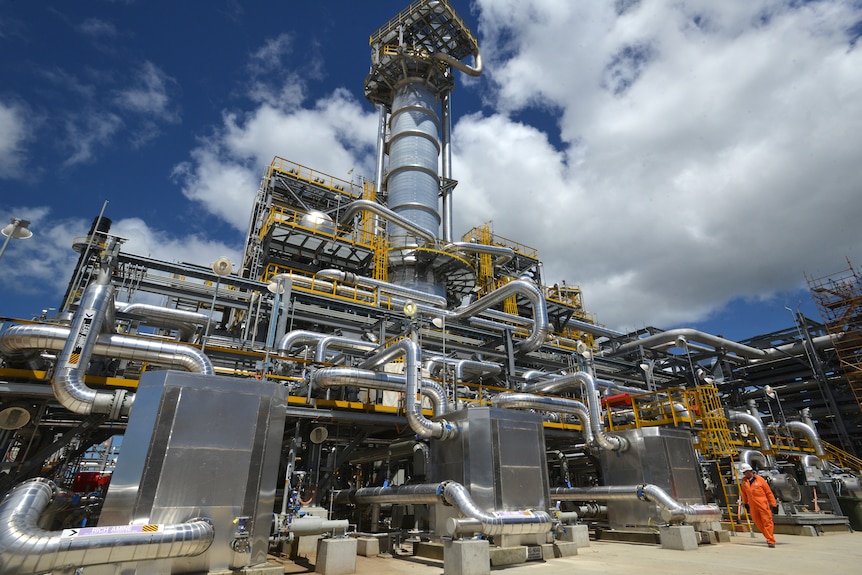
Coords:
pixel 810 433
pixel 475 520
pixel 475 70
pixel 578 378
pixel 593 435
pixel 26 549
pixel 327 377
pixel 313 525
pixel 672 511
pixel 424 428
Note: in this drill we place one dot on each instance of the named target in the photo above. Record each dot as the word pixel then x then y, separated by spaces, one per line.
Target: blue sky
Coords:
pixel 685 163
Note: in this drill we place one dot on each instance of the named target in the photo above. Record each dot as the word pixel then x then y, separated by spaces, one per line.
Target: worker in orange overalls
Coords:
pixel 759 501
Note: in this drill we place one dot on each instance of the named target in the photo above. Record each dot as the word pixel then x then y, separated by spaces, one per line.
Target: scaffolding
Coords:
pixel 839 299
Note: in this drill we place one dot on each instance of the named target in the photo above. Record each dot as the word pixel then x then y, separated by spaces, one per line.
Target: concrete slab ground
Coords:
pixel 743 555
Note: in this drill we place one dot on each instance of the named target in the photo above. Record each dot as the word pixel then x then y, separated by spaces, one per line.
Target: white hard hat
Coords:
pixel 745 467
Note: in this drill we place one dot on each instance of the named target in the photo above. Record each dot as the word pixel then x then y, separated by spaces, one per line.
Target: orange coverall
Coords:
pixel 760 500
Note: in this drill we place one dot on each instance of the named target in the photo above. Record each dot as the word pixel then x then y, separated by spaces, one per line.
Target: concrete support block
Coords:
pixel 466 557
pixel 367 546
pixel 336 556
pixel 679 537
pixel 577 534
pixel 508 555
pixel 722 536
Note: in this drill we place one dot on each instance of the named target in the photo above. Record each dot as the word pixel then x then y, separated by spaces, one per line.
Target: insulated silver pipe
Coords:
pixel 749 456
pixel 73 360
pixel 339 342
pixel 672 511
pixel 477 520
pixel 810 433
pixel 501 254
pixel 557 404
pixel 412 353
pixel 313 525
pixel 757 427
pixel 26 549
pixel 578 378
pixel 475 70
pixel 693 335
pixel 541 325
pixel 22 338
pixel 446 163
pixel 351 376
pixel 385 213
pixel 394 289
pixel 463 367
pixel 185 321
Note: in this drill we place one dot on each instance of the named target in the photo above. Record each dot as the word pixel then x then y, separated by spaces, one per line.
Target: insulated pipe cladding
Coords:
pixel 26 549
pixel 672 511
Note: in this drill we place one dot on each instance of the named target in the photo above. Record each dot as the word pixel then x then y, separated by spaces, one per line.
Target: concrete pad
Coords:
pixel 367 546
pixel 577 534
pixel 508 555
pixel 679 537
pixel 336 556
pixel 466 557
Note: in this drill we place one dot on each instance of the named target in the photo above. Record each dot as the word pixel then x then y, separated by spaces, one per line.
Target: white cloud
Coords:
pixel 225 170
pixel 87 132
pixel 14 134
pixel 149 94
pixel 709 150
pixel 97 29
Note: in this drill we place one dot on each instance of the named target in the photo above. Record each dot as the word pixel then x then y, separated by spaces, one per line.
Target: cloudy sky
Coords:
pixel 684 162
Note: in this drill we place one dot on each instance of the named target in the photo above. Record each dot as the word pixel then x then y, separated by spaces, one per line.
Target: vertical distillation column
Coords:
pixel 413 184
pixel 413 57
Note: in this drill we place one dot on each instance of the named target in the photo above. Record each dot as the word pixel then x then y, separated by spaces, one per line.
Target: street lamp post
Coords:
pixel 18 229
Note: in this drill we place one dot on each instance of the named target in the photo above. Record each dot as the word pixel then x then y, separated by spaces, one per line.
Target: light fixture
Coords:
pixel 410 309
pixel 770 393
pixel 18 229
pixel 682 342
pixel 439 322
pixel 221 268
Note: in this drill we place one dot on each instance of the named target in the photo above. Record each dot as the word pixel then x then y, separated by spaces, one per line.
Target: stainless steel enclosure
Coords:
pixel 499 456
pixel 201 446
pixel 661 456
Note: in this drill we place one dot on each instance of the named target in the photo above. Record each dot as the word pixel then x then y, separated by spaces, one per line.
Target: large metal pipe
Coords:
pixel 22 338
pixel 605 440
pixel 810 433
pixel 73 360
pixel 385 213
pixel 476 520
pixel 541 325
pixel 693 335
pixel 185 321
pixel 394 289
pixel 352 376
pixel 563 405
pixel 412 354
pixel 502 254
pixel 672 510
pixel 464 367
pixel 757 427
pixel 26 549
pixel 750 456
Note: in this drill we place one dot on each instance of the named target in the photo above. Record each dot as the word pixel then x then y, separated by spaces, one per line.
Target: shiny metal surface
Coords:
pixel 662 457
pixel 205 446
pixel 498 457
pixel 27 549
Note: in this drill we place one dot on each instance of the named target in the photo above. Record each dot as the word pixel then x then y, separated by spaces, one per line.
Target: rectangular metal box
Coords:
pixel 499 456
pixel 200 446
pixel 661 456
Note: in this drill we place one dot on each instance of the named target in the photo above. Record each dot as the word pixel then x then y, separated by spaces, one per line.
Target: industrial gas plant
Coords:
pixel 366 377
